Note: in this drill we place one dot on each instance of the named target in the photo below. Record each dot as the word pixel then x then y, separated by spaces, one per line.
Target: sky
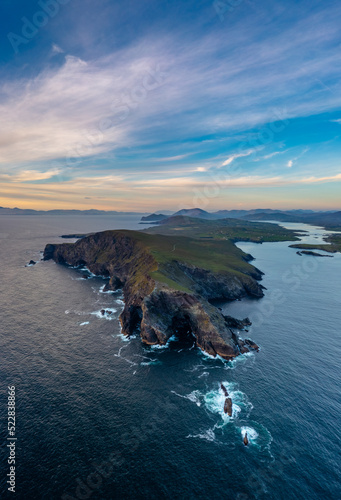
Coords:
pixel 151 105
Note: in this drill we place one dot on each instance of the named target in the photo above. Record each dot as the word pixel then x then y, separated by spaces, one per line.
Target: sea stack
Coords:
pixel 224 390
pixel 228 406
pixel 245 440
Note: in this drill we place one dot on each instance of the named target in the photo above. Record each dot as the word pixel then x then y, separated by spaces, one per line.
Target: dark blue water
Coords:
pixel 101 417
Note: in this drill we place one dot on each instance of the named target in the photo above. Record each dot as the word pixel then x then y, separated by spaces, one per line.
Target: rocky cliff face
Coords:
pixel 153 308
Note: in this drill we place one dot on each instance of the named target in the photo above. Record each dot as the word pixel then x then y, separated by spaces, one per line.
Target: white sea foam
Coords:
pixel 101 290
pixel 231 365
pixel 228 365
pixel 79 313
pixel 106 315
pixel 207 435
pixel 151 362
pixel 195 368
pixel 215 399
pixel 194 397
pixel 206 355
pixel 252 434
pixel 85 323
pixel 164 346
pixel 85 269
pixel 122 337
pixel 119 355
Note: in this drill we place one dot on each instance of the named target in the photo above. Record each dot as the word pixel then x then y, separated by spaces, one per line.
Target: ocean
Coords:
pixel 102 417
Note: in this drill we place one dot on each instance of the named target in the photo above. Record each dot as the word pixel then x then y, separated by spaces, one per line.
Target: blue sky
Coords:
pixel 169 104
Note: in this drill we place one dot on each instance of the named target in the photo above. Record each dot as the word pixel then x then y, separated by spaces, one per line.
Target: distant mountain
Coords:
pixel 166 212
pixel 258 212
pixel 23 211
pixel 153 217
pixel 329 220
pixel 279 216
pixel 195 212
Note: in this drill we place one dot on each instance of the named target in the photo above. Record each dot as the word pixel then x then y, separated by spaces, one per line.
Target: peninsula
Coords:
pixel 171 273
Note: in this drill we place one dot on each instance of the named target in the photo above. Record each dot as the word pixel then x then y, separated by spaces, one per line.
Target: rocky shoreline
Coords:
pixel 155 309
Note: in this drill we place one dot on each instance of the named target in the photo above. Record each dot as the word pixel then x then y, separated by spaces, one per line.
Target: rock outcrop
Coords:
pixel 178 303
pixel 31 263
pixel 314 254
pixel 223 388
pixel 237 323
pixel 228 401
pixel 228 407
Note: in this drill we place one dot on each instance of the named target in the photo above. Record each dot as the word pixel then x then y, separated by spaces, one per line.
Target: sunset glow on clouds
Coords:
pixel 151 110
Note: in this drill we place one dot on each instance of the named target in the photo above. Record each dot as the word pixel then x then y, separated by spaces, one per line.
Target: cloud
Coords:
pixel 109 192
pixel 336 121
pixel 291 162
pixel 270 155
pixel 173 158
pixel 211 86
pixel 29 176
pixel 233 157
pixel 314 180
pixel 56 49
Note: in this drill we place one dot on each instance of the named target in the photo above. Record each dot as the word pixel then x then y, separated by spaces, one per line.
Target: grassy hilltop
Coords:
pixel 223 229
pixel 208 244
pixel 170 274
pixel 334 245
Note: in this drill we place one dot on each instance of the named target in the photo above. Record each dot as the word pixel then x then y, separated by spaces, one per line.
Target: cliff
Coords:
pixel 167 284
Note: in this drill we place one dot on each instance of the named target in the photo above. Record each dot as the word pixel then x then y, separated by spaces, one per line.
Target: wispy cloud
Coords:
pixel 29 176
pixel 270 155
pixel 56 49
pixel 130 130
pixel 233 157
pixel 172 158
pixel 294 160
pixel 210 88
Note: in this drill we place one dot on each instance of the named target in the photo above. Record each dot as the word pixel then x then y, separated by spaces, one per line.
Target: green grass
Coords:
pixel 230 229
pixel 333 246
pixel 214 255
pixel 204 244
pixel 162 278
pixel 208 245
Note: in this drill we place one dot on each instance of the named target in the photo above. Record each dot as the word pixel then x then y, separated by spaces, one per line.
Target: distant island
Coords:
pixel 153 217
pixel 28 211
pixel 172 273
pixel 329 220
